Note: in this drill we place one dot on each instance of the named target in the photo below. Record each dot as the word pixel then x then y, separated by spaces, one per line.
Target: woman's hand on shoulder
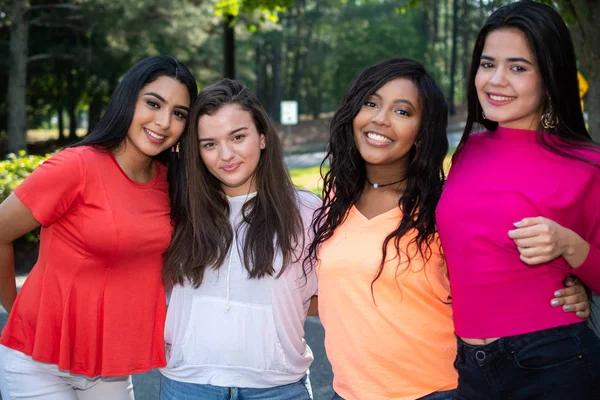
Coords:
pixel 573 298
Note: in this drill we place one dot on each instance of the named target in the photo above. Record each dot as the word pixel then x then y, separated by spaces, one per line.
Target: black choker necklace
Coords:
pixel 377 185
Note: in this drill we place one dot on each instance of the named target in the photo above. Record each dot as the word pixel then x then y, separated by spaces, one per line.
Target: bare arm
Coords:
pixel 15 221
pixel 313 309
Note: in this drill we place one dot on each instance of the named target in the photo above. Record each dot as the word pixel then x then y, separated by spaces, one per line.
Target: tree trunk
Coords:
pixel 229 47
pixel 276 88
pixel 297 50
pixel 71 106
pixel 61 122
pixel 481 13
pixel 453 61
pixel 586 37
pixel 17 79
pixel 436 17
pixel 466 48
pixel 447 36
pixel 95 110
pixel 424 26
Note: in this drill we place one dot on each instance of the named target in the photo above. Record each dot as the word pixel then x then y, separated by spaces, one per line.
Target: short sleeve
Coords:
pixel 53 187
pixel 437 272
pixel 308 204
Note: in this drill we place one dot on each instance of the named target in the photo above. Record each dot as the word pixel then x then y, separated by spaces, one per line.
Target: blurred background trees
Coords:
pixel 61 59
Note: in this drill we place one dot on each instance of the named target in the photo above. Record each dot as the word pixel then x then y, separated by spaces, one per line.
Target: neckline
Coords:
pixel 389 214
pixel 516 135
pixel 242 197
pixel 148 184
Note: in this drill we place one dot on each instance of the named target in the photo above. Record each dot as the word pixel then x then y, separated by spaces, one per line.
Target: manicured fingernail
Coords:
pixel 554 302
pixel 567 308
pixel 580 314
pixel 517 223
pixel 569 281
pixel 557 293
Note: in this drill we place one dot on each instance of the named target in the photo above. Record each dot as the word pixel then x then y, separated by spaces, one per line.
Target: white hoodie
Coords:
pixel 233 331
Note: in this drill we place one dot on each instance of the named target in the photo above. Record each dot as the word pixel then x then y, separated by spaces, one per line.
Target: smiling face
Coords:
pixel 386 127
pixel 159 118
pixel 508 82
pixel 230 147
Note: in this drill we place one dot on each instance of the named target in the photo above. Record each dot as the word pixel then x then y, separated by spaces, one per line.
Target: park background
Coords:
pixel 60 60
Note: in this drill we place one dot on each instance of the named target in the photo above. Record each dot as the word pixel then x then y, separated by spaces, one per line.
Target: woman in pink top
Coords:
pixel 384 297
pixel 520 212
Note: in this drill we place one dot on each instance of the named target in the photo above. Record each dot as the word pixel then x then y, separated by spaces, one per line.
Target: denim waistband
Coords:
pixel 490 352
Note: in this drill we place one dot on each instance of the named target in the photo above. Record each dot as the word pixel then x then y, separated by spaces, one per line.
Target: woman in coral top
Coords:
pixel 92 310
pixel 519 212
pixel 384 295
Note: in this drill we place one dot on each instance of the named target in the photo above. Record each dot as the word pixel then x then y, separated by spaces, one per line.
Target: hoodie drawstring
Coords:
pixel 233 243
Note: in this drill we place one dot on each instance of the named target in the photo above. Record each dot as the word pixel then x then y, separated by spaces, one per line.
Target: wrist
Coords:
pixel 569 247
pixel 575 248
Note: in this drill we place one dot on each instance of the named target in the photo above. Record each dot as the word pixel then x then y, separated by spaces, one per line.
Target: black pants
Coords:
pixel 554 364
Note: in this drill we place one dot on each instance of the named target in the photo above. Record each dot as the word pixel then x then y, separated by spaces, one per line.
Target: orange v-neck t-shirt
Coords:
pixel 94 303
pixel 397 342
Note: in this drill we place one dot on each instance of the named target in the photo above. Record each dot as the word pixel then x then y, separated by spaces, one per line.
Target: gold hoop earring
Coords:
pixel 549 120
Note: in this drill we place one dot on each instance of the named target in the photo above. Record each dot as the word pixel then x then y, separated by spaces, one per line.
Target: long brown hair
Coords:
pixel 202 234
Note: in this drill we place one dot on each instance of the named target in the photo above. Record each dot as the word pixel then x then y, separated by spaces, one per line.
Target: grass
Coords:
pixel 42 135
pixel 310 179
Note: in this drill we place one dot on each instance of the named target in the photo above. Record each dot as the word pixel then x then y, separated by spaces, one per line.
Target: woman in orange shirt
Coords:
pixel 384 295
pixel 92 310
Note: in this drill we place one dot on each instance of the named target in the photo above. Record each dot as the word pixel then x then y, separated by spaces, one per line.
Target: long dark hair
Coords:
pixel 551 44
pixel 203 235
pixel 345 180
pixel 112 128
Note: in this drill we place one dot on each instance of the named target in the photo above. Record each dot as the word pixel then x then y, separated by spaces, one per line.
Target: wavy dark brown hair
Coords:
pixel 203 235
pixel 345 180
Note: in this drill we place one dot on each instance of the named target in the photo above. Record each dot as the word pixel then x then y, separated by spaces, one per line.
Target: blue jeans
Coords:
pixel 553 364
pixel 175 390
pixel 445 395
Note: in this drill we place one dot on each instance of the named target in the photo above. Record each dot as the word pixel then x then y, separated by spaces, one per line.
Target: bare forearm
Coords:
pixel 8 286
pixel 576 249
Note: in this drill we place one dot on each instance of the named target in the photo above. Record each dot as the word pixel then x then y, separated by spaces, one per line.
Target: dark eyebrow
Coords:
pixel 512 59
pixel 395 101
pixel 233 132
pixel 237 130
pixel 158 96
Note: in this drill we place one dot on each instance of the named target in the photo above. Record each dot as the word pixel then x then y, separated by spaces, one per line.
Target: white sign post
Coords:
pixel 289 112
pixel 289 117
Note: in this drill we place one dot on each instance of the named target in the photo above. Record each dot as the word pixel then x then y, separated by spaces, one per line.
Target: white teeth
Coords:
pixel 501 98
pixel 378 138
pixel 154 135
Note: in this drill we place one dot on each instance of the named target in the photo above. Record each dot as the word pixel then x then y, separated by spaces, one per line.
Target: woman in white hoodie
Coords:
pixel 240 295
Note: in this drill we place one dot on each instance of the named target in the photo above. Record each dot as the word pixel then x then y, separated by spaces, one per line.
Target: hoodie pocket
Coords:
pixel 245 336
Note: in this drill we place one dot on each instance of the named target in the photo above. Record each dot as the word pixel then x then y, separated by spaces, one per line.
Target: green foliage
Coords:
pixel 13 171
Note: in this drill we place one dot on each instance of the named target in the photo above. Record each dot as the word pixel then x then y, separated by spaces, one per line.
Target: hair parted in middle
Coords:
pixel 202 234
pixel 346 177
pixel 550 42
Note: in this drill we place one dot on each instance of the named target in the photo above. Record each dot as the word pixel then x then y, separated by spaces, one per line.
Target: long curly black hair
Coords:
pixel 345 180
